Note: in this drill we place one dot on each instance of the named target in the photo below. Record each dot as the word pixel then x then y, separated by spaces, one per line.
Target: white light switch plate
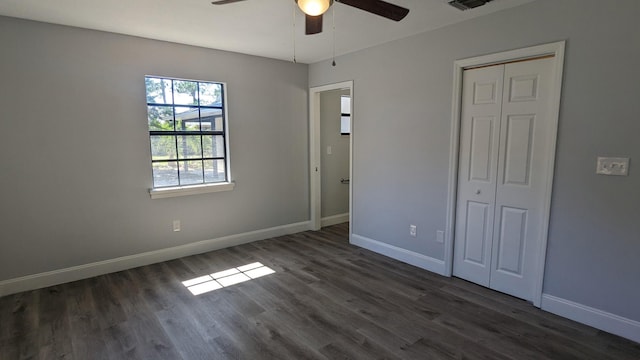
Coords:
pixel 612 166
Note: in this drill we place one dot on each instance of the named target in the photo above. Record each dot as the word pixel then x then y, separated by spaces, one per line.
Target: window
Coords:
pixel 345 116
pixel 187 129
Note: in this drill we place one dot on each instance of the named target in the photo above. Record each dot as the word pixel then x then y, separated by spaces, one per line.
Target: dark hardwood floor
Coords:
pixel 326 300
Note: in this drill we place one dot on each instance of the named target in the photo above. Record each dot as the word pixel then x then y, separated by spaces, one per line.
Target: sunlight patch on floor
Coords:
pixel 229 277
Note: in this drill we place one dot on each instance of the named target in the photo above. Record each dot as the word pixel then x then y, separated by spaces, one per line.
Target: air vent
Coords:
pixel 467 4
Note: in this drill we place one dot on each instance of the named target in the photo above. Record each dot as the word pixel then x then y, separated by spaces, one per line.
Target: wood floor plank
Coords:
pixel 89 345
pixel 150 339
pixel 54 329
pixel 245 337
pixel 326 299
pixel 121 342
pixel 185 333
pixel 327 313
pixel 299 326
pixel 349 349
pixel 449 347
pixel 514 337
pixel 287 343
pixel 84 326
pixel 107 304
pixel 24 347
pixel 228 350
pixel 8 349
pixel 378 317
pixel 81 309
pixel 19 314
pixel 577 334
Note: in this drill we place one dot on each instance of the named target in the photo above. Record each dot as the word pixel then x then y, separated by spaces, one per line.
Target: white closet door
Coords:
pixel 522 176
pixel 479 141
pixel 502 177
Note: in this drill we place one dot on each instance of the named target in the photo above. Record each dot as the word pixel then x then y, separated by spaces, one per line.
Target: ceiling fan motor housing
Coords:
pixel 467 4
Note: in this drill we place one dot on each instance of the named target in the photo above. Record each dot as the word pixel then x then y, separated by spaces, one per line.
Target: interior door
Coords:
pixel 522 176
pixel 479 141
pixel 505 143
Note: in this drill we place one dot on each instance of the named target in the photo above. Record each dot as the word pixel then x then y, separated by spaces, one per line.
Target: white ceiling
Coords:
pixel 256 27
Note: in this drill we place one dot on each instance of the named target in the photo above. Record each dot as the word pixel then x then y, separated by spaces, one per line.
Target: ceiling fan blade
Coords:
pixel 313 24
pixel 224 2
pixel 378 7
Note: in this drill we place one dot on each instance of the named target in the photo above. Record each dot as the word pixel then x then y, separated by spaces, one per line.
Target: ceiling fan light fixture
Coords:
pixel 314 7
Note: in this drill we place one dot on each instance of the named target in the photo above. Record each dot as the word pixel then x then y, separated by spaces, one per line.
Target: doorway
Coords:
pixel 503 141
pixel 331 141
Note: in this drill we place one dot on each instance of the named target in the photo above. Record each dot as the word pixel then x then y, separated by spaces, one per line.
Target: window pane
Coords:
pixel 213 146
pixel 211 119
pixel 185 92
pixel 189 147
pixel 345 104
pixel 191 172
pixel 345 125
pixel 158 90
pixel 214 171
pixel 210 94
pixel 165 174
pixel 163 147
pixel 187 118
pixel 160 118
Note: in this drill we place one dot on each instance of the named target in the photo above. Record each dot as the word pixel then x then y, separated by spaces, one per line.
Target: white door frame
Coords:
pixel 557 51
pixel 315 152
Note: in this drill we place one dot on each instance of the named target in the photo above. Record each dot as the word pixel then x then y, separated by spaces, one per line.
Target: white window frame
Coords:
pixel 195 189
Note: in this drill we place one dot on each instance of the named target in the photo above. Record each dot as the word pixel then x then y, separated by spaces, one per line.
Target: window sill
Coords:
pixel 190 190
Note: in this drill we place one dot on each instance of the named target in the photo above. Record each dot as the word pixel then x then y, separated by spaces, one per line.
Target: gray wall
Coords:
pixel 335 196
pixel 74 147
pixel 402 98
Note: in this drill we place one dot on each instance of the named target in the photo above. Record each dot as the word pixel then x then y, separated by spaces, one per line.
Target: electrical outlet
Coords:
pixel 176 225
pixel 440 236
pixel 413 230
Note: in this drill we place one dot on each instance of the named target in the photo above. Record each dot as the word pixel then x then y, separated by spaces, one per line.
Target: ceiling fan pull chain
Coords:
pixel 333 63
pixel 294 33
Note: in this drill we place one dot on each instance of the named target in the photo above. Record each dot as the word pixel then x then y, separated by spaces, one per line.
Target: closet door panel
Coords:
pixel 477 173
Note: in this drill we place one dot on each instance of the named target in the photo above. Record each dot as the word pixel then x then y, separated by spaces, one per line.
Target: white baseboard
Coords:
pixel 599 319
pixel 79 272
pixel 394 252
pixel 334 219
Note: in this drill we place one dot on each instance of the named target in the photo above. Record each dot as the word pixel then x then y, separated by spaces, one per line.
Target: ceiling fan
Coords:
pixel 313 10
